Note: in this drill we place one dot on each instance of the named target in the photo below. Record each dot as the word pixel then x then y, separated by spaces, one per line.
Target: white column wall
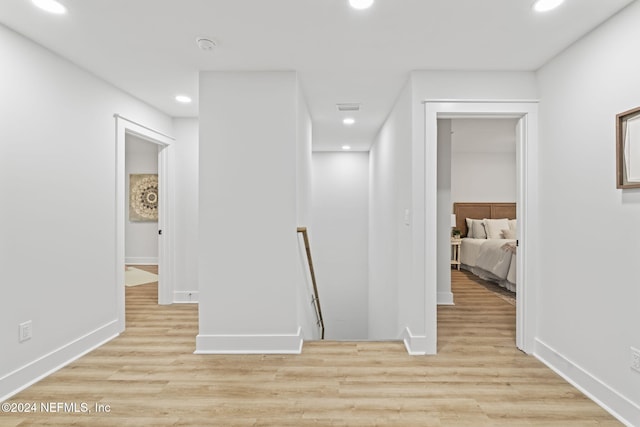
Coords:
pixel 340 244
pixel 186 209
pixel 589 292
pixel 57 186
pixel 248 269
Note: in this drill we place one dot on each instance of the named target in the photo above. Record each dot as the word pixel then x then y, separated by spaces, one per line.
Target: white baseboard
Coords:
pixel 416 345
pixel 249 344
pixel 141 260
pixel 185 297
pixel 445 298
pixel 34 371
pixel 613 402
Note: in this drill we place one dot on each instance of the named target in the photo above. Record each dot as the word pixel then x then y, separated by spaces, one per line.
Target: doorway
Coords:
pixel 526 160
pixel 125 127
pixel 141 226
pixel 477 179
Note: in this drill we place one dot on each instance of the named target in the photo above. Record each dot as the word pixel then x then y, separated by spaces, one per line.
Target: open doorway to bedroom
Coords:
pixel 141 224
pixel 477 173
pixel 125 129
pixel 438 221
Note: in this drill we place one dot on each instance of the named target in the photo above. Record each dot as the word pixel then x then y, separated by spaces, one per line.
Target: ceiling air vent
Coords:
pixel 349 107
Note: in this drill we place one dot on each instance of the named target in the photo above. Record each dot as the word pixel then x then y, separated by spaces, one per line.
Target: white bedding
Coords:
pixel 488 259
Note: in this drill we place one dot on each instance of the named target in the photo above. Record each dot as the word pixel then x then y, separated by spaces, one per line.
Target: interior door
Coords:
pixel 520 258
pixel 165 227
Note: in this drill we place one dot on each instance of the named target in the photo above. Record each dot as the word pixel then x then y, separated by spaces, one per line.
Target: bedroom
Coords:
pixel 481 181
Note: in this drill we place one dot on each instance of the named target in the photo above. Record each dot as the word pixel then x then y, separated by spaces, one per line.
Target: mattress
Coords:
pixel 488 259
pixel 469 250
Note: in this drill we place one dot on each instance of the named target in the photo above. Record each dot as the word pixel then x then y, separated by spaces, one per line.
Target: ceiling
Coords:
pixel 148 48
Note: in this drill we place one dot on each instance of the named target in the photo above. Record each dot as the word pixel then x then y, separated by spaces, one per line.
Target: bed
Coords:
pixel 488 247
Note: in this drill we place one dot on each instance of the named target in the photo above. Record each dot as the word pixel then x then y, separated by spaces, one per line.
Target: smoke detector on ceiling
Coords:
pixel 353 106
pixel 206 44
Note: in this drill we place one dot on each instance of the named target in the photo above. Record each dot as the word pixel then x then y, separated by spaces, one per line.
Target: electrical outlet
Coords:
pixel 25 331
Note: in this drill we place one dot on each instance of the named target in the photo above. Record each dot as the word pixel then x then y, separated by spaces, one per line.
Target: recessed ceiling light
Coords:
pixel 184 99
pixel 546 5
pixel 51 6
pixel 348 121
pixel 360 4
pixel 346 147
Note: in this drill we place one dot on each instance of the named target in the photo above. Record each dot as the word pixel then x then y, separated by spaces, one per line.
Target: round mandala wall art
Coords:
pixel 143 197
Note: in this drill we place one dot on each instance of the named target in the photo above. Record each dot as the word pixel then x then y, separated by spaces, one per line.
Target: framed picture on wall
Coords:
pixel 143 197
pixel 628 149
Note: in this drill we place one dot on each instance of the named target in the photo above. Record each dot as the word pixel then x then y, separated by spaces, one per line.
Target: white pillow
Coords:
pixel 513 224
pixel 494 227
pixel 475 229
pixel 479 230
pixel 509 234
pixel 469 222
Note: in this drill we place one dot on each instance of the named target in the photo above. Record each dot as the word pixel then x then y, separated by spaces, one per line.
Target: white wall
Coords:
pixel 307 317
pixel 397 263
pixel 57 186
pixel 483 177
pixel 483 163
pixel 389 186
pixel 248 247
pixel 186 213
pixel 304 168
pixel 141 238
pixel 340 245
pixel 589 292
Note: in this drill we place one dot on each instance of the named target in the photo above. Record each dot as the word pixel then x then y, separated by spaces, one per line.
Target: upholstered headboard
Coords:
pixel 481 211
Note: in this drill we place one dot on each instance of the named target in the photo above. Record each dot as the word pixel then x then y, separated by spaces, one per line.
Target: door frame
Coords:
pixel 166 208
pixel 526 202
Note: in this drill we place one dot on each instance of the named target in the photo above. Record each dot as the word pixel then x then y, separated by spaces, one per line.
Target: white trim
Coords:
pixel 430 231
pixel 445 298
pixel 609 399
pixel 141 261
pixel 527 158
pixel 250 344
pixel 29 374
pixel 185 297
pixel 126 126
pixel 145 130
pixel 416 345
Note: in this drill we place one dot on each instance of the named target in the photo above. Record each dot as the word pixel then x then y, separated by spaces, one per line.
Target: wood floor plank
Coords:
pixel 150 376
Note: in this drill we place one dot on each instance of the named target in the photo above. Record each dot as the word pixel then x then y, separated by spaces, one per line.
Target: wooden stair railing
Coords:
pixel 316 298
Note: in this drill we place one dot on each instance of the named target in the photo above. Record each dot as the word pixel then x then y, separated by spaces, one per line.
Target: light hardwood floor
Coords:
pixel 149 376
